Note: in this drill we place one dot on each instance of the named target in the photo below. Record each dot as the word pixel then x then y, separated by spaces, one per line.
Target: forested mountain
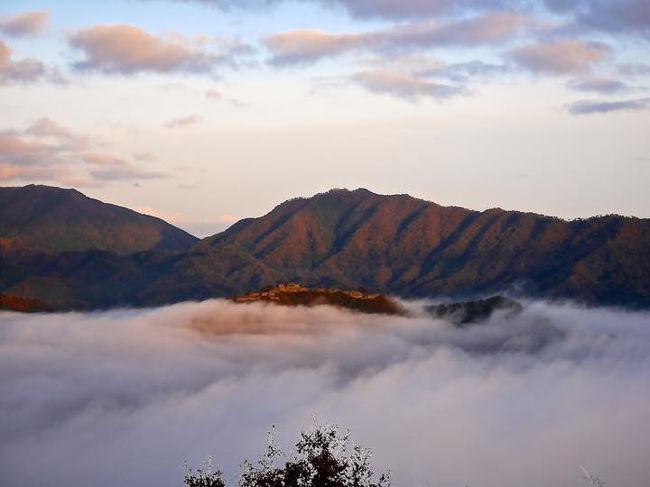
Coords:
pixel 392 244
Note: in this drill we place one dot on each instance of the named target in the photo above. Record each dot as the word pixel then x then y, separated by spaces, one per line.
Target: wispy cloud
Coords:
pixel 234 102
pixel 402 9
pixel 183 121
pixel 587 107
pixel 123 172
pixel 396 10
pixel 48 152
pixel 45 127
pixel 463 72
pixel 624 17
pixel 307 46
pixel 304 46
pixel 560 57
pixel 598 85
pixel 217 95
pixel 402 85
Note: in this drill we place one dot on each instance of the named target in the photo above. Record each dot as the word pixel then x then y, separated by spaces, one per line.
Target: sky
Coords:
pixel 123 397
pixel 206 111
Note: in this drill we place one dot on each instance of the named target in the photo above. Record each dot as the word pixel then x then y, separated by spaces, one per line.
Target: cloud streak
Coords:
pixel 402 85
pixel 589 107
pixel 622 17
pixel 604 86
pixel 401 9
pixel 560 57
pixel 310 45
pixel 128 395
pixel 183 121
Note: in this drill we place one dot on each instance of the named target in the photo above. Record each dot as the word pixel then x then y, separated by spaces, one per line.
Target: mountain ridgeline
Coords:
pixel 345 239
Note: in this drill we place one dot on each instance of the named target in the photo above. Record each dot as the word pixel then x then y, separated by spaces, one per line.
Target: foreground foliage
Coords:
pixel 322 457
pixel 203 477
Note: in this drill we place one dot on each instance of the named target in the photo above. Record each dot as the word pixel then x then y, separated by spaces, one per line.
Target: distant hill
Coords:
pixel 53 219
pixel 24 305
pixel 349 239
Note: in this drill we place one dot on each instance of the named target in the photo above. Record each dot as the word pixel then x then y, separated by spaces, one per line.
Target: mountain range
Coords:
pixel 73 252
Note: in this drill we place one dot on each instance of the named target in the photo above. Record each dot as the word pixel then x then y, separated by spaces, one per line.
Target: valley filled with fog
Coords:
pixel 124 397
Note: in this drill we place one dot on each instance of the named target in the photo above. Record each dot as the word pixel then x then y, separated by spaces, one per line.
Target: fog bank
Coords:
pixel 124 397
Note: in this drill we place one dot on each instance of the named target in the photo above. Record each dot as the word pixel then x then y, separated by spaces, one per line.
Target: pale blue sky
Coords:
pixel 203 115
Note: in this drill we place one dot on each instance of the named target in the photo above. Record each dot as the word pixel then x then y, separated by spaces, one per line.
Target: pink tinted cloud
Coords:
pixel 402 85
pixel 47 151
pixel 304 46
pixel 125 49
pixel 17 150
pixel 24 70
pixel 307 45
pixel 47 128
pixel 560 57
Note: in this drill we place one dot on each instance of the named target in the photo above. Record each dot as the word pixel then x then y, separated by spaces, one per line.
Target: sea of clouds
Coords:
pixel 122 398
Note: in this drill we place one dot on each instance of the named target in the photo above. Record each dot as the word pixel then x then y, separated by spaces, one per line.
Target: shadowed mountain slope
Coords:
pixel 52 219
